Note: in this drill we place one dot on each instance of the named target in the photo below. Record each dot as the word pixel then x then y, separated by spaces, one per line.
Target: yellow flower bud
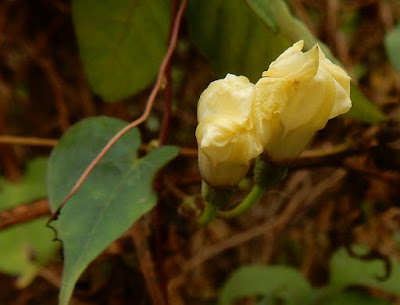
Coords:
pixel 296 97
pixel 226 135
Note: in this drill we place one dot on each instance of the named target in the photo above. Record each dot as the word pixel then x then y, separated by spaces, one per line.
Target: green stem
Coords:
pixel 252 198
pixel 209 213
pixel 213 200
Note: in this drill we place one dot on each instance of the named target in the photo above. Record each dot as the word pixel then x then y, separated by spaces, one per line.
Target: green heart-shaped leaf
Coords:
pixel 115 194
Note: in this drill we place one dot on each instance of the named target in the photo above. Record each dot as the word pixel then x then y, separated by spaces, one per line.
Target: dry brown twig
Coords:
pixel 23 213
pixel 31 141
pixel 35 51
pixel 56 85
pixel 146 263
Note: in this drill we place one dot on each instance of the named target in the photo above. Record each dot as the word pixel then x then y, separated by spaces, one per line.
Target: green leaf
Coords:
pixel 353 298
pixel 363 110
pixel 116 193
pixel 291 27
pixel 233 37
pixel 392 45
pixel 264 11
pixel 31 187
pixel 276 281
pixel 19 243
pixel 348 271
pixel 121 43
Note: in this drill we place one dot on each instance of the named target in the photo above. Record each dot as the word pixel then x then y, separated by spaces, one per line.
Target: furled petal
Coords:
pixel 222 140
pixel 231 96
pixel 342 102
pixel 294 63
pixel 223 175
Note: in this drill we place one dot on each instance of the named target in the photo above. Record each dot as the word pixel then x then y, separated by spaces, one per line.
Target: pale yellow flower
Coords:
pixel 296 97
pixel 226 135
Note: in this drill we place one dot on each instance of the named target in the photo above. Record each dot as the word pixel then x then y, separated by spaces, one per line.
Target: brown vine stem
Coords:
pixel 141 119
pixel 157 215
pixel 168 93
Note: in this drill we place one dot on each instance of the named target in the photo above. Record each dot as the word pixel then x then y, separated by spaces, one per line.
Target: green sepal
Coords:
pixel 267 174
pixel 218 198
pixel 213 200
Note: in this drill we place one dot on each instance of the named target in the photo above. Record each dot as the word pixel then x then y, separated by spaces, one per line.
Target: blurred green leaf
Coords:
pixel 349 271
pixel 233 37
pixel 20 243
pixel 288 26
pixel 276 281
pixel 121 43
pixel 363 110
pixel 264 11
pixel 30 188
pixel 353 298
pixel 116 193
pixel 392 45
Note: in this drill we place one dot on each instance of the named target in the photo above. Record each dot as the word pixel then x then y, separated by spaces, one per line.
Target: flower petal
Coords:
pixel 231 96
pixel 295 64
pixel 296 97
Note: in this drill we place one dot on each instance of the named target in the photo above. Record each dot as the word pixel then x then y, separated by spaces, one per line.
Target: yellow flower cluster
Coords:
pixel 277 116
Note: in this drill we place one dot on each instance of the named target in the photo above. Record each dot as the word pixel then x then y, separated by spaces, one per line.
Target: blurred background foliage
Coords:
pixel 62 61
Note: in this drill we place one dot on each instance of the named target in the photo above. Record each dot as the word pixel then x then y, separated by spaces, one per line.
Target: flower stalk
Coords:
pixel 213 200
